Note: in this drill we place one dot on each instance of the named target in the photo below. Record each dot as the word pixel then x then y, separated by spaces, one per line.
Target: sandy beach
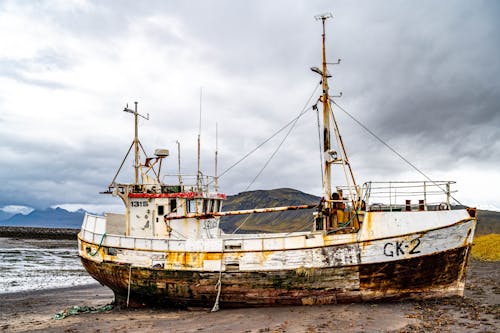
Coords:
pixel 477 312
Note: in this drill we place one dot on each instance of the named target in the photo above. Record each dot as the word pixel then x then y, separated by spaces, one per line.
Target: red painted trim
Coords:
pixel 185 195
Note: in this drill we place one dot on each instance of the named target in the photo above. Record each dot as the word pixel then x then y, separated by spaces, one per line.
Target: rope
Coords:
pixel 292 123
pixel 319 143
pixel 304 110
pixel 245 220
pixel 99 247
pixel 218 285
pixel 268 139
pixel 297 229
pixel 129 279
pixel 395 152
pixel 76 310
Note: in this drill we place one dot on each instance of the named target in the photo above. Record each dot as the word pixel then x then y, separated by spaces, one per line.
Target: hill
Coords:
pixel 488 222
pixel 295 220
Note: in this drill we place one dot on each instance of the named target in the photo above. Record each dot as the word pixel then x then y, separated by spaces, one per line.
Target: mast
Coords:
pixel 327 188
pixel 136 142
pixel 330 156
pixel 136 146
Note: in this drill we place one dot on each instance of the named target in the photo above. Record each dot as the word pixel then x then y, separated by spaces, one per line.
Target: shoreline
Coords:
pixel 38 233
pixel 55 290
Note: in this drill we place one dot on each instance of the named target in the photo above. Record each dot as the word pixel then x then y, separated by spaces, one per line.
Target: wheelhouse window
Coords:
pixel 216 205
pixel 191 206
pixel 161 210
pixel 173 205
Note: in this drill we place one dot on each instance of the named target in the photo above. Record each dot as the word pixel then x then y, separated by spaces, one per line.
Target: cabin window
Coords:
pixel 216 206
pixel 191 206
pixel 173 205
pixel 111 251
pixel 205 205
pixel 161 210
pixel 210 204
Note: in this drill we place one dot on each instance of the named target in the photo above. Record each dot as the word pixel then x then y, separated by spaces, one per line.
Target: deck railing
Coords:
pixel 169 184
pixel 407 195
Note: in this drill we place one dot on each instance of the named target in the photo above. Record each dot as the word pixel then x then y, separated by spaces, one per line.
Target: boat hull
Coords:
pixel 431 276
pixel 413 255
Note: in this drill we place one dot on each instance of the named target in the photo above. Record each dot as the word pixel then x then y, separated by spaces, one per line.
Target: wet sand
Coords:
pixel 478 311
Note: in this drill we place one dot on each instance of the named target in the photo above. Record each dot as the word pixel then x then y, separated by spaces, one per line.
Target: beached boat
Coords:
pixel 366 243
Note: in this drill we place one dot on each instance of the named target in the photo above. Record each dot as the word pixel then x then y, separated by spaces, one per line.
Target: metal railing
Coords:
pixel 204 183
pixel 407 195
pixel 169 184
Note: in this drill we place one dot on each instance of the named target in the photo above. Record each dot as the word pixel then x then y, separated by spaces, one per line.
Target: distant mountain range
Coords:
pixel 488 221
pixel 47 218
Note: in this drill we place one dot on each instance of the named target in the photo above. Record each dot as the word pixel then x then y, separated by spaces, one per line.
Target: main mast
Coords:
pixel 327 188
pixel 330 156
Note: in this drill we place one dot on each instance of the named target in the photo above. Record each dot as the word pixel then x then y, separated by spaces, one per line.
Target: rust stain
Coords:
pixel 367 226
pixel 435 275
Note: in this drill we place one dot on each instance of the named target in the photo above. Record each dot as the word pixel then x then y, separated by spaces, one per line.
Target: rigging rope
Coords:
pixel 292 123
pixel 395 152
pixel 218 285
pixel 319 144
pixel 304 110
pixel 268 139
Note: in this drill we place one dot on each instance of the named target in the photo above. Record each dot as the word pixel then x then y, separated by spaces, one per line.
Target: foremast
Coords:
pixel 136 141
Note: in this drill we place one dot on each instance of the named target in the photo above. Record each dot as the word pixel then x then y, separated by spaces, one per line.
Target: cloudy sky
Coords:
pixel 424 76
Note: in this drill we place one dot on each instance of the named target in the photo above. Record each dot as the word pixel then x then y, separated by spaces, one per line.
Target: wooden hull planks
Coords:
pixel 431 276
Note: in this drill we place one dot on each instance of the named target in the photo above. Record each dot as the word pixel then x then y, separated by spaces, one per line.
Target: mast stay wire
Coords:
pixel 293 122
pixel 290 129
pixel 268 139
pixel 395 151
pixel 319 144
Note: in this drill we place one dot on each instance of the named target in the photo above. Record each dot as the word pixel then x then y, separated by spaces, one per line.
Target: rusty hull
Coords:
pixel 432 276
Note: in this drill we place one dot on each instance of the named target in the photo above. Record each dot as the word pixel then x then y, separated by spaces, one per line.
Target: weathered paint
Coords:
pixel 276 255
pixel 293 268
pixel 433 275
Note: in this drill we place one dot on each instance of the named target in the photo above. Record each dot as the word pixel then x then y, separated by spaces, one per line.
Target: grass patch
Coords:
pixel 486 247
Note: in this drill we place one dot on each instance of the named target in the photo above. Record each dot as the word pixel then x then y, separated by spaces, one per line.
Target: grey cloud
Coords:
pixel 424 77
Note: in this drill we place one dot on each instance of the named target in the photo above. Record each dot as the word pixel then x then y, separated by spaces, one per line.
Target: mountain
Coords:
pixel 488 222
pixel 47 218
pixel 294 220
pixel 5 215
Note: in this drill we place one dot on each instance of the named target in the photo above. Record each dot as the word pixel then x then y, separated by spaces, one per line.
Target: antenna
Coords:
pixel 324 16
pixel 198 184
pixel 216 178
pixel 136 142
pixel 179 160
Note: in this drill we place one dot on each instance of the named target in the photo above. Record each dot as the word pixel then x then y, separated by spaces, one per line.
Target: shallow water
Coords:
pixel 34 264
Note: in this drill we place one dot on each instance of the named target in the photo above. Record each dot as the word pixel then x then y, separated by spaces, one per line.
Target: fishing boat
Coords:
pixel 378 241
